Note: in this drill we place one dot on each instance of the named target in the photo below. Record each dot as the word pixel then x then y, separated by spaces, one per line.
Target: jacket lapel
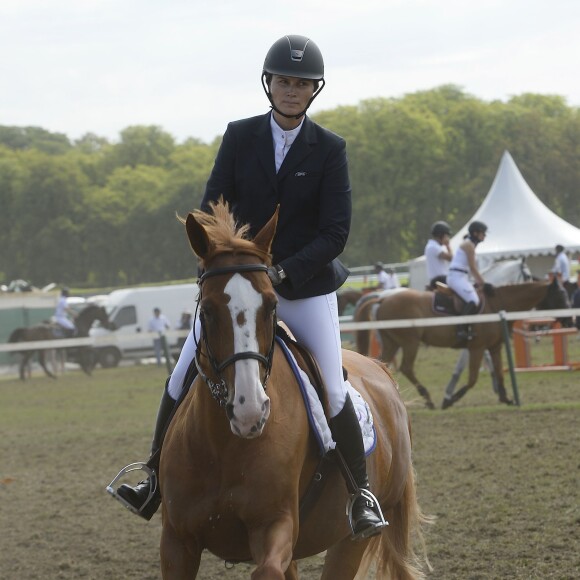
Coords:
pixel 265 149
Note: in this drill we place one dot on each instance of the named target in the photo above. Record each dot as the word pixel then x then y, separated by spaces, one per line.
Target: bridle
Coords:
pixel 219 390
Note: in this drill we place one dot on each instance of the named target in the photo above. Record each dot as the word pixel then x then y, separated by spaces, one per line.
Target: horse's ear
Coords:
pixel 264 237
pixel 198 238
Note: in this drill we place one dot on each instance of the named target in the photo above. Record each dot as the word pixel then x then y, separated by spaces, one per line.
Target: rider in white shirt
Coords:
pixel 61 312
pixel 438 253
pixel 386 280
pixel 462 265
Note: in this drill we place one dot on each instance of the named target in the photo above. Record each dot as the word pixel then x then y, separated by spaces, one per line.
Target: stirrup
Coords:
pixel 371 531
pixel 138 466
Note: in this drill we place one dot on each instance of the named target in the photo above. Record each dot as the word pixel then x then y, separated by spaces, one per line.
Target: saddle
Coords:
pixel 309 365
pixel 448 303
pixel 59 331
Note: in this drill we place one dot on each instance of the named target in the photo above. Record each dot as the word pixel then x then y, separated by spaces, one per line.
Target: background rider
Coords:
pixel 438 254
pixel 462 265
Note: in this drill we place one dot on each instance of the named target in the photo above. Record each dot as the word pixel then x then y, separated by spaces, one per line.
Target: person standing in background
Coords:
pixel 561 269
pixel 159 324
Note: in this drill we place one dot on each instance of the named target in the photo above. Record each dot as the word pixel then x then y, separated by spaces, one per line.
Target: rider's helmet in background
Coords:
pixel 439 229
pixel 475 227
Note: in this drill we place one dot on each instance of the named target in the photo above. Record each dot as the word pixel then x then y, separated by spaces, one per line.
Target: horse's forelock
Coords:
pixel 227 235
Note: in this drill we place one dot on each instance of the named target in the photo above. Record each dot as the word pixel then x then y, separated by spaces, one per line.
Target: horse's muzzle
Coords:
pixel 248 421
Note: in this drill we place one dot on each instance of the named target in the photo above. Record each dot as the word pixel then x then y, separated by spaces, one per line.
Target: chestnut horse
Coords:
pixel 239 454
pixel 413 304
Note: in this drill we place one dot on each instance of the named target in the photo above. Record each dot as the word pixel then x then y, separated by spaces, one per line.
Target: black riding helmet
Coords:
pixel 439 229
pixel 475 227
pixel 294 56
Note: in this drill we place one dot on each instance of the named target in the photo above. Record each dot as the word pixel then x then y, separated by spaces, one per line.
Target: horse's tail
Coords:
pixel 394 550
pixel 363 314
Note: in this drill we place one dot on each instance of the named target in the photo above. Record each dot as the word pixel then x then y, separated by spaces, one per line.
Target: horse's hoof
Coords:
pixel 425 394
pixel 446 404
pixel 506 401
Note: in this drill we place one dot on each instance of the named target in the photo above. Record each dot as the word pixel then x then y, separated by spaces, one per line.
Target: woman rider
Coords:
pixel 284 158
pixel 462 264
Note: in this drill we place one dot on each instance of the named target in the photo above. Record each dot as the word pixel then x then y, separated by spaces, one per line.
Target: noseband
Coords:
pixel 219 390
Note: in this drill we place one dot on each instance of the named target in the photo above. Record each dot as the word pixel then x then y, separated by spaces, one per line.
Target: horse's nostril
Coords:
pixel 230 411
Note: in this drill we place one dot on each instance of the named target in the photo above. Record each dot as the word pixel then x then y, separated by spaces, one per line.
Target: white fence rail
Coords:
pixel 113 338
pixel 346 325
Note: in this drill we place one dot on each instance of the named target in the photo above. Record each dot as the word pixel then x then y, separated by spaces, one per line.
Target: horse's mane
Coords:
pixel 225 233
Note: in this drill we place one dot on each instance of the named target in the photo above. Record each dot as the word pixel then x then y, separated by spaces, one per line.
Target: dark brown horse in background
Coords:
pixel 239 454
pixel 414 304
pixel 48 331
pixel 347 297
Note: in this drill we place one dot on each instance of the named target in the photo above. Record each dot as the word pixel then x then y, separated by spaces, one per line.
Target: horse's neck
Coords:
pixel 521 296
pixel 84 322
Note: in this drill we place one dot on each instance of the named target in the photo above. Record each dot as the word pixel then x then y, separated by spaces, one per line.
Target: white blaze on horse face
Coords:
pixel 251 406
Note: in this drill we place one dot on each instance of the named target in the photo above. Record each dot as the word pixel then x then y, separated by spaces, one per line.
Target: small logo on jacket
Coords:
pixel 300 174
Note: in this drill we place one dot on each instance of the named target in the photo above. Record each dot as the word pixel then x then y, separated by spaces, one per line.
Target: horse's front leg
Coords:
pixel 271 546
pixel 179 561
pixel 498 371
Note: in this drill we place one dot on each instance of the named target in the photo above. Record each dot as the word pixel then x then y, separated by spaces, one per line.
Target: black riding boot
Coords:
pixel 464 330
pixel 367 518
pixel 137 496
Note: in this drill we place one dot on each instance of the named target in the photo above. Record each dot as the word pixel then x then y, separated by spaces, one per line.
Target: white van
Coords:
pixel 130 309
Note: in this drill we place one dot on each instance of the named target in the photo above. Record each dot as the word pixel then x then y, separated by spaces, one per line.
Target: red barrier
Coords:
pixel 524 331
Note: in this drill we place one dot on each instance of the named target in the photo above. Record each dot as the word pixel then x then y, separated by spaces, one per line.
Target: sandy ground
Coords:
pixel 503 483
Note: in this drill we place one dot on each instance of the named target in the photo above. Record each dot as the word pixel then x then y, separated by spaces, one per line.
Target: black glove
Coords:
pixel 276 275
pixel 488 289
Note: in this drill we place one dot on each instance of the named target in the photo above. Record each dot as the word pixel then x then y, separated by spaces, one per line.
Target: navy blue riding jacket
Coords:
pixel 312 188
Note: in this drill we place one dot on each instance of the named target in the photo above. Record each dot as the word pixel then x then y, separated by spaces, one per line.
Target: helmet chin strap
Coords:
pixel 474 240
pixel 273 106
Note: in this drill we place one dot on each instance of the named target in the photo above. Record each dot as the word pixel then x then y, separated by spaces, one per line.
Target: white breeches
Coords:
pixel 459 283
pixel 65 322
pixel 314 323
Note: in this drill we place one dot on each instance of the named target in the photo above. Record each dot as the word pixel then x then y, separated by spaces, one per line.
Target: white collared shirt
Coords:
pixel 282 140
pixel 562 266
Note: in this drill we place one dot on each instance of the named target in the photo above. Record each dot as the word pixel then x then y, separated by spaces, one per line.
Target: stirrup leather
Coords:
pixel 139 466
pixel 376 508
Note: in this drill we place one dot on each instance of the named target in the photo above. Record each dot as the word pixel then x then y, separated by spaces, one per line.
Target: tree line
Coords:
pixel 92 213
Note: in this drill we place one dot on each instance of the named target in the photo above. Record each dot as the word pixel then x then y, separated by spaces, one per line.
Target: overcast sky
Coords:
pixel 190 66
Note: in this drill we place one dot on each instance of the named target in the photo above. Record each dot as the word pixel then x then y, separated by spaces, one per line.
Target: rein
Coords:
pixel 219 389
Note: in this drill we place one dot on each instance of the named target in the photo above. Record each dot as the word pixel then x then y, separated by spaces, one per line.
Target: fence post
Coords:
pixel 508 352
pixel 167 354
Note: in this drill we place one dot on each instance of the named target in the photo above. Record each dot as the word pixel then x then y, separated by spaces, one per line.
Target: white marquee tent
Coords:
pixel 520 225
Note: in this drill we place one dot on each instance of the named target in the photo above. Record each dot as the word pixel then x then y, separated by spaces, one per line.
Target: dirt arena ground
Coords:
pixel 503 483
